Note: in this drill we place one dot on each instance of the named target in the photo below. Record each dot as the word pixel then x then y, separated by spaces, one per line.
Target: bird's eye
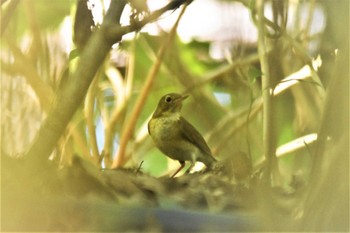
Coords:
pixel 168 99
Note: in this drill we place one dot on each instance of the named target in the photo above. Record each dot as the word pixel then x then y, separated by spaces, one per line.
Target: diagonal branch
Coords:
pixel 70 97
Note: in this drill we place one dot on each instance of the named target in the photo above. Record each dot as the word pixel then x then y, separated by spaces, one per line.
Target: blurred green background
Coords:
pixel 215 56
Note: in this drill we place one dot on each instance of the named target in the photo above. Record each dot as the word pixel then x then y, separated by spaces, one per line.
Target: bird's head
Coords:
pixel 169 103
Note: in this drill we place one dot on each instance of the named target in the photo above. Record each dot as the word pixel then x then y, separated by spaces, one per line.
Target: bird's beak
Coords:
pixel 178 101
pixel 182 98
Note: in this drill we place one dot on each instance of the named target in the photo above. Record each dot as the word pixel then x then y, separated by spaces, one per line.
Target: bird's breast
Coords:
pixel 168 137
pixel 163 128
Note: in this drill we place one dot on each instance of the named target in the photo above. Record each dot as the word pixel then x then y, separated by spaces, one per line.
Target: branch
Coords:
pixel 70 97
pixel 135 26
pixel 269 150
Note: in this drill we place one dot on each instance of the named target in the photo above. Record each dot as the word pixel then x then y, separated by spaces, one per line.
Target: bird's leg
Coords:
pixel 180 168
pixel 190 168
pixel 193 162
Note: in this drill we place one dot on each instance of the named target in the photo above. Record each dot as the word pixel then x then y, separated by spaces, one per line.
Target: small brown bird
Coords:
pixel 175 136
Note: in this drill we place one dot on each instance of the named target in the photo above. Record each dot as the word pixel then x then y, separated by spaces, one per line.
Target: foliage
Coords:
pixel 255 105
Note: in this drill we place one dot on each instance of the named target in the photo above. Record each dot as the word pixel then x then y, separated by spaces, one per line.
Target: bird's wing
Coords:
pixel 194 137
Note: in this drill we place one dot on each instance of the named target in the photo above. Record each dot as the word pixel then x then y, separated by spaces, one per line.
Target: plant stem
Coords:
pixel 269 150
pixel 90 120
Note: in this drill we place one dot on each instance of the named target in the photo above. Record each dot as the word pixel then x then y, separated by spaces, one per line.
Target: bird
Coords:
pixel 174 136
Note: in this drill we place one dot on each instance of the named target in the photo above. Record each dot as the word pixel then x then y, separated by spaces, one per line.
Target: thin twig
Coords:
pixel 242 121
pixel 114 30
pixel 123 93
pixel 221 71
pixel 89 116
